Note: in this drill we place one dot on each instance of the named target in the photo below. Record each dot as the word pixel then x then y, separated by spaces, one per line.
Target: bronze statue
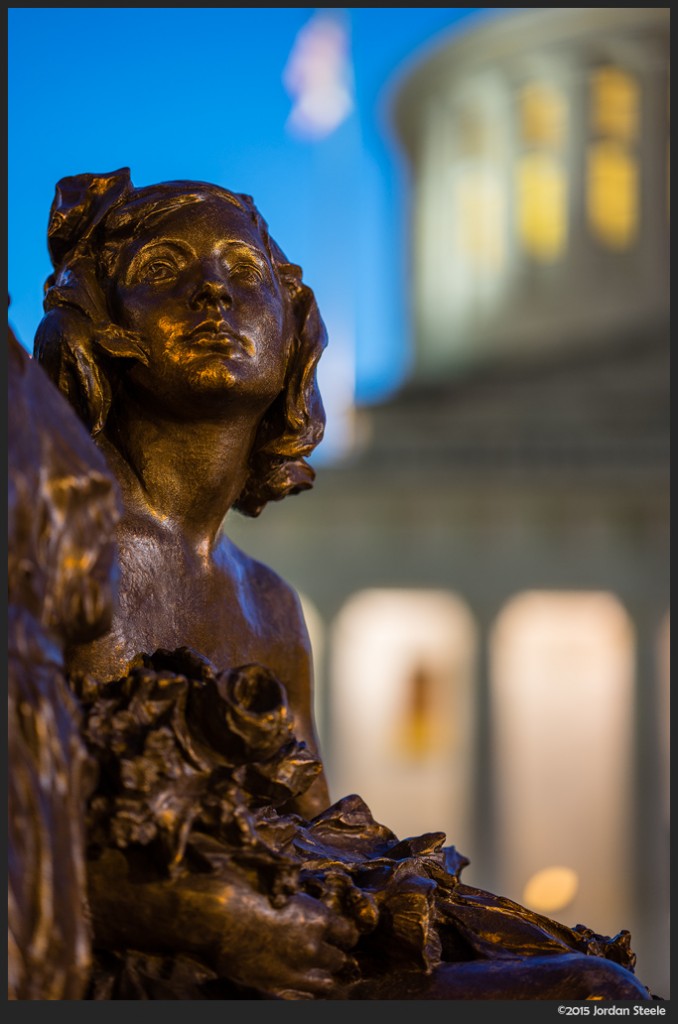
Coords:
pixel 188 344
pixel 62 510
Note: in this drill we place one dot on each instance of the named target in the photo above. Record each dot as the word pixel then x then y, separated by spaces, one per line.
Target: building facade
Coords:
pixel 486 574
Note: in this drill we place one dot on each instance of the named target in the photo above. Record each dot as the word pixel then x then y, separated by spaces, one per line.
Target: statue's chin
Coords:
pixel 205 383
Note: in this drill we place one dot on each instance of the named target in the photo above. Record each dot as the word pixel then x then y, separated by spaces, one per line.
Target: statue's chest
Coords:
pixel 169 598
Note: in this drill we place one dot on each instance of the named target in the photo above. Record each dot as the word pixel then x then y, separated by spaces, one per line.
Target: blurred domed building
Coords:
pixel 486 575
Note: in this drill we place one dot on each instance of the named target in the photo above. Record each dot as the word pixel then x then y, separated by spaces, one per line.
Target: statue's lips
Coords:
pixel 218 336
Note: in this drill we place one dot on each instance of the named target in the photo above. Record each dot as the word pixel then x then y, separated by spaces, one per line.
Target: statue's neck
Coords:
pixel 186 474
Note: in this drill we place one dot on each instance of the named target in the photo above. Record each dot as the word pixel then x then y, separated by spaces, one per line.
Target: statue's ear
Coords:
pixel 121 344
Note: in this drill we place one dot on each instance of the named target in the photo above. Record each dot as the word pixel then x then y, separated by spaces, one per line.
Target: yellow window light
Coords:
pixel 542 206
pixel 615 107
pixel 612 194
pixel 543 115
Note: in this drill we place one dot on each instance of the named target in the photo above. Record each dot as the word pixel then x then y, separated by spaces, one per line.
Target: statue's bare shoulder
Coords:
pixel 277 615
pixel 265 584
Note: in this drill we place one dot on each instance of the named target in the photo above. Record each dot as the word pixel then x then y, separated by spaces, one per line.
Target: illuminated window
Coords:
pixel 402 709
pixel 612 186
pixel 562 670
pixel 542 206
pixel 479 203
pixel 541 182
pixel 543 116
pixel 480 213
pixel 612 194
pixel 615 110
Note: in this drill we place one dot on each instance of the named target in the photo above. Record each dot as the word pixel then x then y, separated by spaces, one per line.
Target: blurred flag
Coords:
pixel 319 78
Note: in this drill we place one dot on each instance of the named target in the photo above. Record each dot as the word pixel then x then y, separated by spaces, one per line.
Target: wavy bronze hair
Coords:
pixel 86 354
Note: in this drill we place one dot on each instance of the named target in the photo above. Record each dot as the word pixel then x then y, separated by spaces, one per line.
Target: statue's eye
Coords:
pixel 247 273
pixel 159 270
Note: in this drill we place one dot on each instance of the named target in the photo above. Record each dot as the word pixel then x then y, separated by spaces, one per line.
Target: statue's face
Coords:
pixel 200 289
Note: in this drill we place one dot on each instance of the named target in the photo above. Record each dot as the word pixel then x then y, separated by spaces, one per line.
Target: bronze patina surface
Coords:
pixel 216 866
pixel 62 507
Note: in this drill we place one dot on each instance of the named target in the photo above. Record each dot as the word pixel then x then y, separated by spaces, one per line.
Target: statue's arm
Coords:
pixel 282 645
pixel 297 675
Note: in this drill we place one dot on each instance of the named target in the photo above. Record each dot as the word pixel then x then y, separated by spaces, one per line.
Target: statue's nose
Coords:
pixel 211 289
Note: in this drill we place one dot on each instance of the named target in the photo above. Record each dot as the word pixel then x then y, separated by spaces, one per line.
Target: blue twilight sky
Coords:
pixel 207 94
